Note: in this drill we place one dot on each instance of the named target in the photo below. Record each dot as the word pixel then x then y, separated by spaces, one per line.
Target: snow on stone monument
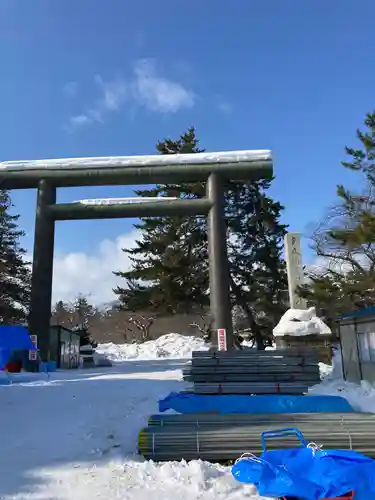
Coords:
pixel 300 326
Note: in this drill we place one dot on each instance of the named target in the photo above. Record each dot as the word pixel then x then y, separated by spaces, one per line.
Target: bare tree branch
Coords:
pixel 143 324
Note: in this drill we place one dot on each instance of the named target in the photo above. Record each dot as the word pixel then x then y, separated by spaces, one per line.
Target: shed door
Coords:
pixel 351 363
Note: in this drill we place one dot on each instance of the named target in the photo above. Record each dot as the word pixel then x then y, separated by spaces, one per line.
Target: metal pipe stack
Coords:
pixel 217 437
pixel 248 371
pixel 224 437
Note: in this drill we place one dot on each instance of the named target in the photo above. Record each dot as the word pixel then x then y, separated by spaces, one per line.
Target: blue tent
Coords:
pixel 13 338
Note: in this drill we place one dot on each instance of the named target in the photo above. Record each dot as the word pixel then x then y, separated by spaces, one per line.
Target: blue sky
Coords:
pixel 99 77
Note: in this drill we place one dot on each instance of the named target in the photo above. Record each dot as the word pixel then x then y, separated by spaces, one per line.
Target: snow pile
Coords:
pixel 100 359
pixel 171 346
pixel 361 397
pixel 325 370
pixel 185 481
pixel 298 322
pixel 136 480
pixel 334 371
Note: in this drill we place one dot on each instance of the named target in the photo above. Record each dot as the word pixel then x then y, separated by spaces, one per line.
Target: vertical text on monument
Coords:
pixel 294 267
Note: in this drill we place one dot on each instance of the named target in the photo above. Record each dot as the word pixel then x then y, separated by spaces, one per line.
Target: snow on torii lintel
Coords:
pixel 123 201
pixel 207 158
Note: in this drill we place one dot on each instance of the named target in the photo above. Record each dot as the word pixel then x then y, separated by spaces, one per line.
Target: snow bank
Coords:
pixel 100 359
pixel 298 322
pixel 136 480
pixel 187 481
pixel 361 397
pixel 172 346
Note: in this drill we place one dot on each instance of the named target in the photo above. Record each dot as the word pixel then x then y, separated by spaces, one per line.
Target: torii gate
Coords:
pixel 48 175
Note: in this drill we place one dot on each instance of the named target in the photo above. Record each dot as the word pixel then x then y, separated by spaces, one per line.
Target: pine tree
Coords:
pixel 170 264
pixel 83 311
pixel 15 274
pixel 61 314
pixel 77 316
pixel 168 274
pixel 257 270
pixel 345 241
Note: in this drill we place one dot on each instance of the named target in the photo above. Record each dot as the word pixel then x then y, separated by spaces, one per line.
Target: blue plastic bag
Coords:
pixel 307 473
pixel 274 481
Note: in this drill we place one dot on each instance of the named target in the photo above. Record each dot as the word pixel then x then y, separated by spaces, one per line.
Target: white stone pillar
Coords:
pixel 292 242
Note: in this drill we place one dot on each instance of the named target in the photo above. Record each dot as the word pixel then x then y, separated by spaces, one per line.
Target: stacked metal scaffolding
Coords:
pixel 249 371
pixel 217 437
pixel 224 437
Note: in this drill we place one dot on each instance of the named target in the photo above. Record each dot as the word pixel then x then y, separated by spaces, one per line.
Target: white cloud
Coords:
pixel 157 93
pixel 145 88
pixel 113 94
pixel 92 274
pixel 224 106
pixel 71 89
pixel 80 120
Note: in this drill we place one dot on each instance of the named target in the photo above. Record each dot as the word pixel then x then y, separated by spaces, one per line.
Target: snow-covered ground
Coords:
pixel 74 437
pixel 172 346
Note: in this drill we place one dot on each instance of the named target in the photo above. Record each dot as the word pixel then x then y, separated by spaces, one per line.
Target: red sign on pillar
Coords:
pixel 222 339
pixel 33 355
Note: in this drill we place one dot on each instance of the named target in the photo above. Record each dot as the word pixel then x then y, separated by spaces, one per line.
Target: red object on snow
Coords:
pixel 13 366
pixel 348 496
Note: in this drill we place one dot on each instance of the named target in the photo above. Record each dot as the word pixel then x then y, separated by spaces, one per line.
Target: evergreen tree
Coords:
pixel 77 316
pixel 345 241
pixel 257 271
pixel 168 274
pixel 61 314
pixel 170 264
pixel 82 311
pixel 15 275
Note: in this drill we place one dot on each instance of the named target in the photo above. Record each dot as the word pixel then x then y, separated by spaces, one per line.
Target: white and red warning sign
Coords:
pixel 222 339
pixel 33 355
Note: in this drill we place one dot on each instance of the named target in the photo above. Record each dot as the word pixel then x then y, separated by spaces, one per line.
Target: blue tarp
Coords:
pixel 309 475
pixel 13 338
pixel 276 403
